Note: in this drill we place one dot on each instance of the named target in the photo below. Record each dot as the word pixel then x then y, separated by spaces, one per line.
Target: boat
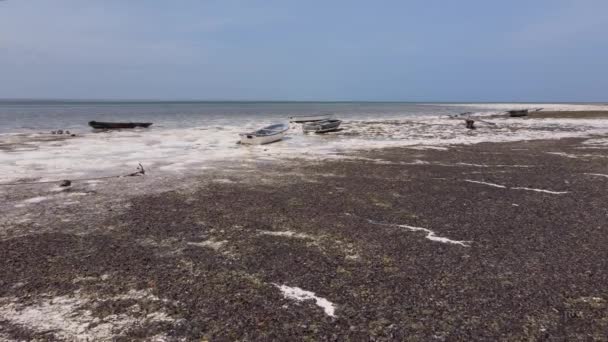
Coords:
pixel 266 135
pixel 118 125
pixel 309 118
pixel 321 126
pixel 518 113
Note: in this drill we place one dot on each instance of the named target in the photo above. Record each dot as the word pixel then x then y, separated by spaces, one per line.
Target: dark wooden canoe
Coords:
pixel 518 113
pixel 118 125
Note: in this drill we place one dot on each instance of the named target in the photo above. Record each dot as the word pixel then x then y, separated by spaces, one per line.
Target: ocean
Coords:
pixel 42 116
pixel 194 136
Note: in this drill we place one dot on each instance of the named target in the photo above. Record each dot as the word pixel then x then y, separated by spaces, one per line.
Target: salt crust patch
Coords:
pixel 430 235
pixel 597 142
pixel 517 188
pixel 297 294
pixel 213 244
pixel 67 318
pixel 287 233
pixel 486 183
pixel 597 174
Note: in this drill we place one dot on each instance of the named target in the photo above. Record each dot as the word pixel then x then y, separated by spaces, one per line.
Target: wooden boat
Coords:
pixel 321 126
pixel 118 125
pixel 518 113
pixel 266 135
pixel 309 118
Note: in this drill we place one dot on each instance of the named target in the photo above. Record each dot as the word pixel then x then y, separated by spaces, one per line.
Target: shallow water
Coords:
pixel 192 137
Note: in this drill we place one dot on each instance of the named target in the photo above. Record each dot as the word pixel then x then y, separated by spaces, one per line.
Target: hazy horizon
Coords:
pixel 471 51
pixel 126 100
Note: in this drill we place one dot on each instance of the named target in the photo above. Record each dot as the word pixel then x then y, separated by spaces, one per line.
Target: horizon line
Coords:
pixel 143 100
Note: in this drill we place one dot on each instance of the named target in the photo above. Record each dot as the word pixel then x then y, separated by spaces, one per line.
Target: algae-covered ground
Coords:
pixel 495 241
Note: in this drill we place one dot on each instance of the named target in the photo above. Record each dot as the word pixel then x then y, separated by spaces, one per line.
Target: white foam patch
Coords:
pixel 431 235
pixel 297 294
pixel 486 183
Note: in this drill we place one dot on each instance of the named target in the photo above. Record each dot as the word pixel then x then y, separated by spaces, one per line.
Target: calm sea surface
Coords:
pixel 19 116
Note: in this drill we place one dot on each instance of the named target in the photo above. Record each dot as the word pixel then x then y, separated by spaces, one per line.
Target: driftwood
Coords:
pixel 140 171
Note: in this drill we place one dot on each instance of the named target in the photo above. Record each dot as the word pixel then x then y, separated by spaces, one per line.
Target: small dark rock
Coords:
pixel 65 183
pixel 60 131
pixel 470 123
pixel 72 135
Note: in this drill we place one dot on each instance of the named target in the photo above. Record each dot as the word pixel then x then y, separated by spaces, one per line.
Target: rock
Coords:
pixel 470 123
pixel 59 131
pixel 67 132
pixel 53 132
pixel 72 135
pixel 64 183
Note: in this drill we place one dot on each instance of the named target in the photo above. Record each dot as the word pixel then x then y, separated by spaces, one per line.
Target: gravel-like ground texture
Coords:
pixel 486 242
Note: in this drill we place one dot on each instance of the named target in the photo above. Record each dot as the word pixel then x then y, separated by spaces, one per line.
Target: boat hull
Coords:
pixel 321 126
pixel 252 139
pixel 518 113
pixel 118 125
pixel 265 135
pixel 308 118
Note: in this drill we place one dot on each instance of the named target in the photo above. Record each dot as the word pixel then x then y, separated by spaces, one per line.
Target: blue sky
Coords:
pixel 467 50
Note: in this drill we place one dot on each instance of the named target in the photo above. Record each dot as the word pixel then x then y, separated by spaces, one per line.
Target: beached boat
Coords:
pixel 118 125
pixel 321 126
pixel 265 135
pixel 518 113
pixel 309 118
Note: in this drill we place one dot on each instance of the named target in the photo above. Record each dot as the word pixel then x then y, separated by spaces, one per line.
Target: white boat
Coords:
pixel 265 135
pixel 321 126
pixel 309 118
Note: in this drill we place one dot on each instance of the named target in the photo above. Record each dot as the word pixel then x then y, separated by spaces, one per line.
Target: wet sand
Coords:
pixel 494 241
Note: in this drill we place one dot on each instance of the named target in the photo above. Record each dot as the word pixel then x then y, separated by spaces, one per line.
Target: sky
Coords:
pixel 312 50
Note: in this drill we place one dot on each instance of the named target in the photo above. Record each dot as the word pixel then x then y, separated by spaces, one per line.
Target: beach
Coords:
pixel 496 239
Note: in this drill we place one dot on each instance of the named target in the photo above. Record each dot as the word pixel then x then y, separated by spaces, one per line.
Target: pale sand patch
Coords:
pixel 300 295
pixel 431 235
pixel 486 183
pixel 517 188
pixel 542 190
pixel 36 199
pixel 223 181
pixel 68 318
pixel 287 233
pixel 211 243
pixel 597 174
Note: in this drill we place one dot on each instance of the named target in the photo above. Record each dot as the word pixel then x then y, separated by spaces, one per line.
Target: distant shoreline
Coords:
pixel 139 101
